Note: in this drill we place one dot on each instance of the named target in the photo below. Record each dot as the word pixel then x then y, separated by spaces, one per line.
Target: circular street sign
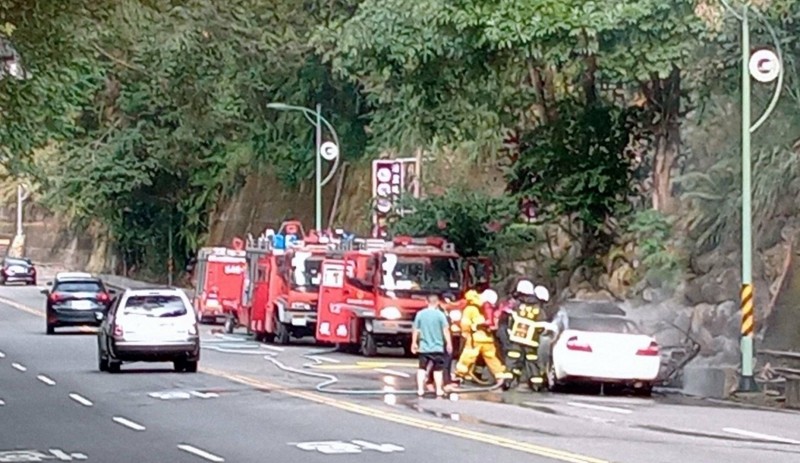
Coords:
pixel 384 174
pixel 329 151
pixel 384 206
pixel 764 65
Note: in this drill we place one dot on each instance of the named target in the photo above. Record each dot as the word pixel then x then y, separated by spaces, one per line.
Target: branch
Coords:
pixel 119 61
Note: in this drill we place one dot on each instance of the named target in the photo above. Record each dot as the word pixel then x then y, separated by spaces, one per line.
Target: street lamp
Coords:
pixel 764 66
pixel 328 151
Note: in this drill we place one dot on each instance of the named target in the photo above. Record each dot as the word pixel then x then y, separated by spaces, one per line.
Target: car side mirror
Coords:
pixel 44 291
pixel 113 292
pixel 49 283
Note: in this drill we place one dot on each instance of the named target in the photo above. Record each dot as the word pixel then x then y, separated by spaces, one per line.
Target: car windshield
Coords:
pixel 21 262
pixel 604 325
pixel 305 272
pixel 155 306
pixel 79 287
pixel 420 273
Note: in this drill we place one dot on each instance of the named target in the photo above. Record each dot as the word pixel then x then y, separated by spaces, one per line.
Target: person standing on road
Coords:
pixel 431 340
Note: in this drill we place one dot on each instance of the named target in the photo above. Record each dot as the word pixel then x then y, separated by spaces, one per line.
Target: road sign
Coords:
pixel 765 66
pixel 352 447
pixel 329 151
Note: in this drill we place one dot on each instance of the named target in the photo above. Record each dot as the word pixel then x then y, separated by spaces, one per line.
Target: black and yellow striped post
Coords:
pixel 747 381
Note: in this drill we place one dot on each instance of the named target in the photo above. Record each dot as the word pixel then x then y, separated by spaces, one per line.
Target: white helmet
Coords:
pixel 525 287
pixel 541 293
pixel 489 296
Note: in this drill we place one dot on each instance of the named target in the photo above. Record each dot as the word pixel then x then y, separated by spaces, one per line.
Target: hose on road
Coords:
pixel 325 386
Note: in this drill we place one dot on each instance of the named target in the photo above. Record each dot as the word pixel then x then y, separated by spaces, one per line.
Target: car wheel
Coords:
pixel 114 366
pixel 102 363
pixel 230 325
pixel 190 366
pixel 644 391
pixel 369 348
pixel 553 384
pixel 51 329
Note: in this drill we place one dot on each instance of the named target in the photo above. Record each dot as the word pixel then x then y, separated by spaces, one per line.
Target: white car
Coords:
pixel 600 345
pixel 149 325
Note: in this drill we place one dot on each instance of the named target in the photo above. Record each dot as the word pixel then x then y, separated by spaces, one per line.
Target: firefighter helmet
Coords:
pixel 489 296
pixel 541 293
pixel 473 297
pixel 525 287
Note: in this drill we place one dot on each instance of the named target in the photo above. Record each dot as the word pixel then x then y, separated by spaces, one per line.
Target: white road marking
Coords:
pixel 128 423
pixel 756 435
pixel 81 400
pixel 601 408
pixel 61 455
pixel 19 367
pixel 387 371
pixel 200 453
pixel 275 348
pixel 80 456
pixel 2 402
pixel 2 355
pixel 46 380
pixel 324 359
pixel 204 395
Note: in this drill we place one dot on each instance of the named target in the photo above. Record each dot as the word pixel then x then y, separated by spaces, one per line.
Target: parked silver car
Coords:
pixel 149 325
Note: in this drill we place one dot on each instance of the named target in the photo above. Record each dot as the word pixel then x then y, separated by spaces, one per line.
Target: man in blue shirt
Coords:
pixel 431 340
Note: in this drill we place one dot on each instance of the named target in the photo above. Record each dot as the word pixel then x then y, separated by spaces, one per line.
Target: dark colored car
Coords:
pixel 76 299
pixel 17 270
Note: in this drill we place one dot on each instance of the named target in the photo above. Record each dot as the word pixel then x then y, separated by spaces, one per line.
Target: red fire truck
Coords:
pixel 281 298
pixel 369 297
pixel 220 276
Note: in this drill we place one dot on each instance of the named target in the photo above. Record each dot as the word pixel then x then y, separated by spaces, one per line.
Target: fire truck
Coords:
pixel 220 276
pixel 369 296
pixel 280 300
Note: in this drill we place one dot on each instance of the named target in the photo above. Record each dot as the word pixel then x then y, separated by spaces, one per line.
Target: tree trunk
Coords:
pixel 666 98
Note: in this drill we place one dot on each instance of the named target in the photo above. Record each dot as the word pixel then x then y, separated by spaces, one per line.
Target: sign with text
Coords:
pixel 391 180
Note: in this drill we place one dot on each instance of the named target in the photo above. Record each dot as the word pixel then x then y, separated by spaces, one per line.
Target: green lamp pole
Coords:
pixel 765 66
pixel 328 151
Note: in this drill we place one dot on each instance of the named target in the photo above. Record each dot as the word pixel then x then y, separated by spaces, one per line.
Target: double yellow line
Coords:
pixel 393 417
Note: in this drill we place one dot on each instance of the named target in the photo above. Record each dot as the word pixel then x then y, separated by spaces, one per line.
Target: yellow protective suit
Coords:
pixel 477 342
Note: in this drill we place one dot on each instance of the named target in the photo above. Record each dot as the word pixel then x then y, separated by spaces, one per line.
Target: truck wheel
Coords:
pixel 282 334
pixel 368 346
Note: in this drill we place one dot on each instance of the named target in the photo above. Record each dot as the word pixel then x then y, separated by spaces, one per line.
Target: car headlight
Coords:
pixel 455 315
pixel 391 313
pixel 300 306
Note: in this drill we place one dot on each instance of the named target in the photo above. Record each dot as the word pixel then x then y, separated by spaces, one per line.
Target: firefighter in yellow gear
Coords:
pixel 478 342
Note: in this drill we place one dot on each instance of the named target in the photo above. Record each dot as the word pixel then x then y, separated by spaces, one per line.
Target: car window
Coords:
pixel 603 325
pixel 79 287
pixel 154 306
pixel 20 262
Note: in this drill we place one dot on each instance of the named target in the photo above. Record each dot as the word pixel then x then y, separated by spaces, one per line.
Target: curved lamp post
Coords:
pixel 328 151
pixel 764 66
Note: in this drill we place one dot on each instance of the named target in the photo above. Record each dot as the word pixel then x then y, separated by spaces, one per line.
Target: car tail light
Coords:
pixel 103 297
pixel 118 330
pixel 32 271
pixel 192 330
pixel 55 297
pixel 574 343
pixel 650 351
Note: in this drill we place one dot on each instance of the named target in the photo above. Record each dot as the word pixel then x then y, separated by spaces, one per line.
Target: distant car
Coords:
pixel 75 299
pixel 149 325
pixel 597 343
pixel 17 270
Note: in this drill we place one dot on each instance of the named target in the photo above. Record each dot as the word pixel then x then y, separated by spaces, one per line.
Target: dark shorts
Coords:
pixel 436 360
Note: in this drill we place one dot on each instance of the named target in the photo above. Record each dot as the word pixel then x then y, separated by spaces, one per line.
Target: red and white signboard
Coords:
pixel 391 179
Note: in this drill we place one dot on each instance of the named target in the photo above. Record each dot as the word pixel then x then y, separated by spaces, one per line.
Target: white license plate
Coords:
pixel 212 303
pixel 298 322
pixel 82 305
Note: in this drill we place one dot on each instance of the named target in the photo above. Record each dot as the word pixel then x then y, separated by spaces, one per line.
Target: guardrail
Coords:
pixel 789 372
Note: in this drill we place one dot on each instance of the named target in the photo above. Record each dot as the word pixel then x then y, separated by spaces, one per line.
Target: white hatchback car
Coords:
pixel 149 325
pixel 597 344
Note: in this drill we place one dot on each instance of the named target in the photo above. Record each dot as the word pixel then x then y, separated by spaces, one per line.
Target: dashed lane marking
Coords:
pixel 387 371
pixel 758 435
pixel 201 453
pixel 2 355
pixel 623 411
pixel 2 402
pixel 128 423
pixel 19 367
pixel 81 400
pixel 46 380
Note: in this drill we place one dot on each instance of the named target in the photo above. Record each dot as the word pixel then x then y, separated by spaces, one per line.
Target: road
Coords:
pixel 253 402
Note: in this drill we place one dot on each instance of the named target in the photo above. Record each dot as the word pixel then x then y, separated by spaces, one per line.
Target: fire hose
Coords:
pixel 329 380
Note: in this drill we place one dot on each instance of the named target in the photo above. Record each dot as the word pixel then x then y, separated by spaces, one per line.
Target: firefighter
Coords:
pixel 522 354
pixel 478 342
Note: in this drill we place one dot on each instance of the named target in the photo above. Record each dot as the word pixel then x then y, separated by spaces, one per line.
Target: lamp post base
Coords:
pixel 747 384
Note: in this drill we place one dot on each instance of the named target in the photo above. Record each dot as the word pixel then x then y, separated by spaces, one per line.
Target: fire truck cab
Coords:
pixel 370 296
pixel 220 277
pixel 284 274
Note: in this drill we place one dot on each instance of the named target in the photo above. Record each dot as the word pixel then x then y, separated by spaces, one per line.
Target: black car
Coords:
pixel 17 270
pixel 76 299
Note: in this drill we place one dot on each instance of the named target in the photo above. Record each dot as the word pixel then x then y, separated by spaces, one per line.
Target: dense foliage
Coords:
pixel 142 116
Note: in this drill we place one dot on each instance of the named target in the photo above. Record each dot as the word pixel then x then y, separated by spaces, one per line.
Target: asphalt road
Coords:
pixel 252 402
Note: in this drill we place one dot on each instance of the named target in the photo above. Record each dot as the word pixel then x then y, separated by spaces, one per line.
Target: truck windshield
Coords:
pixel 305 272
pixel 420 273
